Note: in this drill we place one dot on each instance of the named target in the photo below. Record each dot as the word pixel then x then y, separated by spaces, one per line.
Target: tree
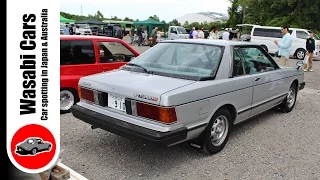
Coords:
pixel 154 17
pixel 174 22
pixel 127 19
pixel 99 15
pixel 295 13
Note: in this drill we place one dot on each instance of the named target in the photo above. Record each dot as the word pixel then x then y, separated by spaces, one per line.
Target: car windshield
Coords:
pixel 181 60
pixel 30 141
pixel 181 30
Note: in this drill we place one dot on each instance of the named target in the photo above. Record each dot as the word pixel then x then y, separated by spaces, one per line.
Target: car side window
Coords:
pixel 256 61
pixel 173 30
pixel 114 52
pixel 302 35
pixel 238 63
pixel 74 52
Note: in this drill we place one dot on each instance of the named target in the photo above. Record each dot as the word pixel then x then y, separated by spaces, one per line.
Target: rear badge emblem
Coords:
pixel 150 98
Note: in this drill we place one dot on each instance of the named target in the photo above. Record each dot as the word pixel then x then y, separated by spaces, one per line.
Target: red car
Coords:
pixel 85 55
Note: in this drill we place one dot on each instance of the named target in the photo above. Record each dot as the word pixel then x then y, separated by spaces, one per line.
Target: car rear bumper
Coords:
pixel 302 85
pixel 128 130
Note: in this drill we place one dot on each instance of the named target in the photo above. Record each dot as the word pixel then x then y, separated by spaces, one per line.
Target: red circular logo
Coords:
pixel 33 146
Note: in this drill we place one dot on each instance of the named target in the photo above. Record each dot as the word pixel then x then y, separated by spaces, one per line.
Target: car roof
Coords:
pixel 219 42
pixel 87 37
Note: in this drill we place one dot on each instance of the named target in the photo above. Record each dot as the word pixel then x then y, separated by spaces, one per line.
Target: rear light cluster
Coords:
pixel 93 96
pixel 166 115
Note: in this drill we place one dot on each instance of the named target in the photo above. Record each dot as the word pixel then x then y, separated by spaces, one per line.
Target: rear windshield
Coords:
pixel 181 60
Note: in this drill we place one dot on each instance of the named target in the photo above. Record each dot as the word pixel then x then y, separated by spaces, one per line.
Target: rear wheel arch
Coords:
pixel 232 110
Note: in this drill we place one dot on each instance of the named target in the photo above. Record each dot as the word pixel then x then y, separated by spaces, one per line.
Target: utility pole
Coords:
pixel 81 13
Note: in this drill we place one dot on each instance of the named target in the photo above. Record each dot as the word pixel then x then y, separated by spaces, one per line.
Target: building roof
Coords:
pixel 202 17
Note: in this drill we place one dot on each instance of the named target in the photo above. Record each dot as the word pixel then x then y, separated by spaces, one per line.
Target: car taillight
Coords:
pixel 86 94
pixel 166 115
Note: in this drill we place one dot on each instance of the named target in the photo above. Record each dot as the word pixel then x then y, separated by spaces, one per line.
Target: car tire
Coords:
pixel 49 147
pixel 68 97
pixel 34 151
pixel 220 125
pixel 290 101
pixel 300 54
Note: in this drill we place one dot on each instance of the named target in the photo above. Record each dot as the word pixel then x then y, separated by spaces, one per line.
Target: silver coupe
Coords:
pixel 188 90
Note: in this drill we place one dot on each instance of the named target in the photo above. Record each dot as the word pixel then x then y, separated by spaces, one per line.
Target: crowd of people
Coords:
pixel 228 34
pixel 72 30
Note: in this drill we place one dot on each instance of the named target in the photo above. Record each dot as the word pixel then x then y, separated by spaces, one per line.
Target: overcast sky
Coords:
pixel 142 9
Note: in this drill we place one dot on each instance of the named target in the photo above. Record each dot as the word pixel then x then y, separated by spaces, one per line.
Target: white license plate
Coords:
pixel 116 102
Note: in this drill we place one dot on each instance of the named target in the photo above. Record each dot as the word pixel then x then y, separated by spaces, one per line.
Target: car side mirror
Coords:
pixel 175 32
pixel 299 64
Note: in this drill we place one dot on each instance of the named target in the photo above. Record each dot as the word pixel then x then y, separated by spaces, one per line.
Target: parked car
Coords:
pixel 184 90
pixel 85 55
pixel 266 35
pixel 33 146
pixel 245 37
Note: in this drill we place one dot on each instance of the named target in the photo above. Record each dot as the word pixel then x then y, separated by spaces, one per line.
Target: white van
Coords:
pixel 177 32
pixel 265 35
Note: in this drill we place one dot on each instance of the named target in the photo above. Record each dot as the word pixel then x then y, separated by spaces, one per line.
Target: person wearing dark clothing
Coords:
pixel 139 34
pixel 311 47
pixel 119 33
pixel 72 29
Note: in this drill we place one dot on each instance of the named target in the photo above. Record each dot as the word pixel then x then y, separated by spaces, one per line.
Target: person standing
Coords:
pixel 191 33
pixel 215 34
pixel 139 34
pixel 284 45
pixel 225 34
pixel 195 33
pixel 201 34
pixel 132 35
pixel 66 30
pixel 311 47
pixel 71 29
pixel 154 36
pixel 119 32
pixel 77 30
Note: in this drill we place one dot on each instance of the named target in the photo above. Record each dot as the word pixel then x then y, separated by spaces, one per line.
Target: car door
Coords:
pixel 269 86
pixel 173 33
pixel 77 59
pixel 112 55
pixel 243 80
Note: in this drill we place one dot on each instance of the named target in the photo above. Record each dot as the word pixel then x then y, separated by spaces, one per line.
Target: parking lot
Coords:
pixel 271 146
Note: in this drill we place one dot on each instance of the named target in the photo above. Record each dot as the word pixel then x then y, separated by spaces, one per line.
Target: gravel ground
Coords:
pixel 271 146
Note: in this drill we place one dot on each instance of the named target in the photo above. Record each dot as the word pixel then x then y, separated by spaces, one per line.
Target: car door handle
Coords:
pixel 256 79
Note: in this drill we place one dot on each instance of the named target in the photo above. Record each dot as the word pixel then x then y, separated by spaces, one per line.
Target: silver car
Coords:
pixel 193 89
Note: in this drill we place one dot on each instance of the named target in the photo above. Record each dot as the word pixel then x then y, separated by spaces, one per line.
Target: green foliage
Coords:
pixel 174 22
pixel 295 13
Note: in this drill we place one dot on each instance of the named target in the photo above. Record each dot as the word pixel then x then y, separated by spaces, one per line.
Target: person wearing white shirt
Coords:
pixel 77 30
pixel 226 34
pixel 201 34
pixel 195 33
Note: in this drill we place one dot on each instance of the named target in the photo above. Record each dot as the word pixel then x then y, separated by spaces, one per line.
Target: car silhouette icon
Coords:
pixel 33 146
